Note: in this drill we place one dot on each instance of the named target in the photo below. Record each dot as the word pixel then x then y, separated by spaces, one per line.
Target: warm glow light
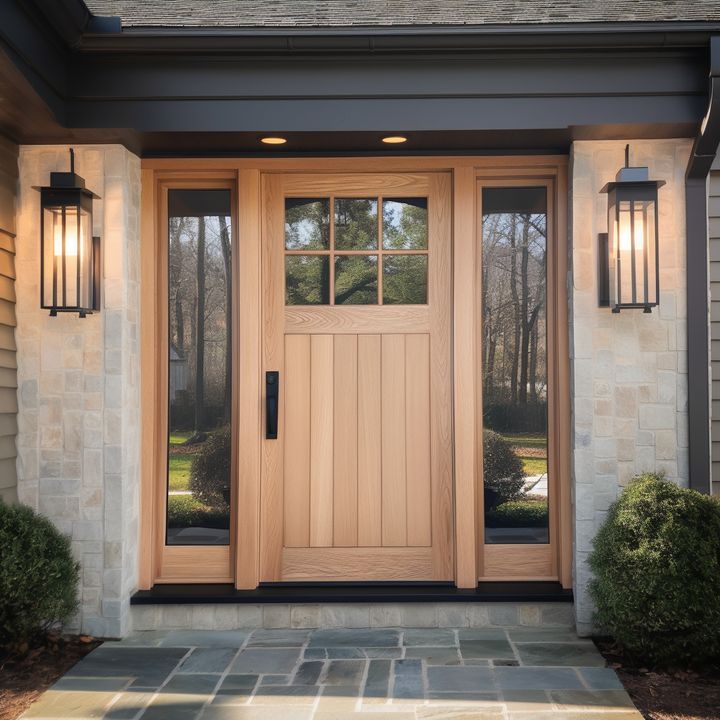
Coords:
pixel 626 232
pixel 273 140
pixel 394 139
pixel 71 235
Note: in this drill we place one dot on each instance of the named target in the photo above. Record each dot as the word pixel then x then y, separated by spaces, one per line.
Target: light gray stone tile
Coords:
pixel 429 637
pixel 278 638
pixel 205 638
pixel 207 660
pixel 265 660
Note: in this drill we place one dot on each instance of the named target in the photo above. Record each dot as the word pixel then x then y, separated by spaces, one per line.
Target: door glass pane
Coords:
pixel 356 281
pixel 200 367
pixel 307 280
pixel 307 223
pixel 514 365
pixel 405 279
pixel 405 223
pixel 356 225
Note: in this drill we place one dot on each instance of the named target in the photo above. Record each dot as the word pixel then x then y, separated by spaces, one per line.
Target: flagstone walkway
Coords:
pixel 408 674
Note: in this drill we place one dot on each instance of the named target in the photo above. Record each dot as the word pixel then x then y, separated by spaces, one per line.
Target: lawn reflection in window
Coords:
pixel 514 365
pixel 200 367
pixel 334 256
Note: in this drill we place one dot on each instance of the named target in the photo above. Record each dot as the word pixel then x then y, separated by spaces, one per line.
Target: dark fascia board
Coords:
pixel 395 39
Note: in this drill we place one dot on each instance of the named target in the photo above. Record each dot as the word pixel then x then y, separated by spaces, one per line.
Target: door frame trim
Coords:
pixel 246 173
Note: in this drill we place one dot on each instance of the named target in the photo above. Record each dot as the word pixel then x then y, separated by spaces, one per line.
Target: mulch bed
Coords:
pixel 667 695
pixel 24 676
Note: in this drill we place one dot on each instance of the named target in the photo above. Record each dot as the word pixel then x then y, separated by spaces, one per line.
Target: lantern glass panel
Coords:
pixel 633 249
pixel 67 258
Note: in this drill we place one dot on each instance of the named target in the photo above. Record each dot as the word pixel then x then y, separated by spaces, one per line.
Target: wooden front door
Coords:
pixel 357 483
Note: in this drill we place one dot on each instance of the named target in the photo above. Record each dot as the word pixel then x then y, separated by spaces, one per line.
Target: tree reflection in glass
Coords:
pixel 514 364
pixel 199 367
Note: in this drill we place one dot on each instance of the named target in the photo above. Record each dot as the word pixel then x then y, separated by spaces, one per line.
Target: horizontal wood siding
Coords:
pixel 8 363
pixel 714 228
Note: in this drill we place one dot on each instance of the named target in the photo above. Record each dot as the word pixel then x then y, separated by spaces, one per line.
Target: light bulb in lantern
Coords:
pixel 71 235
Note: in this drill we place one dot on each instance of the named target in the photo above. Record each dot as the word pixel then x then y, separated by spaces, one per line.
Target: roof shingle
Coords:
pixel 395 13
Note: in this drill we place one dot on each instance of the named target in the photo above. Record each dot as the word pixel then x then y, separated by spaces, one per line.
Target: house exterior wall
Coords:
pixel 78 444
pixel 714 234
pixel 8 361
pixel 629 370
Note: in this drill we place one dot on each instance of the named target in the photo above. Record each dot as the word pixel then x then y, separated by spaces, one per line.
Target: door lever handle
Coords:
pixel 272 396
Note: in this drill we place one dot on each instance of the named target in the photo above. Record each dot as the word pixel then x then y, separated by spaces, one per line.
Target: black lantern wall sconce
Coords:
pixel 629 260
pixel 69 254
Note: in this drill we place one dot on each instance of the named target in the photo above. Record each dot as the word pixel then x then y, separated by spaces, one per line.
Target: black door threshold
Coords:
pixel 353 593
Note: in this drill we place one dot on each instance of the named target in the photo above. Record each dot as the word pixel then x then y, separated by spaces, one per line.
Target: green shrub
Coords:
pixel 657 573
pixel 503 473
pixel 38 576
pixel 185 511
pixel 210 471
pixel 518 513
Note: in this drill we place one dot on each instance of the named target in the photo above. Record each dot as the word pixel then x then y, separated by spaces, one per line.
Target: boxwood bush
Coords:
pixel 210 471
pixel 503 472
pixel 518 513
pixel 185 511
pixel 38 576
pixel 657 573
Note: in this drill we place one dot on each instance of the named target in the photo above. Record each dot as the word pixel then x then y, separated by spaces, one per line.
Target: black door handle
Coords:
pixel 272 396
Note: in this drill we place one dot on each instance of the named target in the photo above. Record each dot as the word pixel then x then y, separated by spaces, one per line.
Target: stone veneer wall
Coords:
pixel 629 370
pixel 78 441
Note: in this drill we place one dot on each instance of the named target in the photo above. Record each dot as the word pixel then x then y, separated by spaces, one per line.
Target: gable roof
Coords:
pixel 396 13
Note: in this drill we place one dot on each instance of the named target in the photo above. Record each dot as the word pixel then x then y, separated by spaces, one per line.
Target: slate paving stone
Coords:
pixel 392 653
pixel 489 649
pixel 308 673
pixel 542 634
pixel 205 638
pixel 584 715
pixel 278 638
pixel 460 713
pixel 344 672
pixel 535 678
pixel 265 660
pixel 338 699
pixel 601 678
pixel 77 698
pixel 207 660
pixel 147 666
pixel 408 682
pixel 375 715
pixel 275 680
pixel 505 663
pixel 462 699
pixel 461 679
pixel 340 653
pixel 434 655
pixel 355 638
pixel 235 689
pixel 430 637
pixel 256 713
pixel 142 638
pixel 474 634
pixel 580 700
pixel 527 700
pixel 565 654
pixel 285 695
pixel 190 685
pixel 315 654
pixel 377 680
pixel 160 710
pixel 128 705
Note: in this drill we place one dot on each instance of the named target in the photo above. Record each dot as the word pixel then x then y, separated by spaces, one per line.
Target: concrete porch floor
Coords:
pixel 515 673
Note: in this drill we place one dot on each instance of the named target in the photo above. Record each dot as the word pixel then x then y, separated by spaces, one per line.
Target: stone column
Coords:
pixel 629 370
pixel 79 382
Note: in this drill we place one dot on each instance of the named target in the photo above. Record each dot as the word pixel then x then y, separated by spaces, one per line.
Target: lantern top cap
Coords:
pixel 632 176
pixel 67 181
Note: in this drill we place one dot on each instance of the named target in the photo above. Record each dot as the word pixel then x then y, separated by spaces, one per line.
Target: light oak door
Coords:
pixel 357 483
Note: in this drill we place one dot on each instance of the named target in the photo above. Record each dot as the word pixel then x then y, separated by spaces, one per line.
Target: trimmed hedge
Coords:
pixel 210 471
pixel 657 573
pixel 186 511
pixel 518 513
pixel 38 575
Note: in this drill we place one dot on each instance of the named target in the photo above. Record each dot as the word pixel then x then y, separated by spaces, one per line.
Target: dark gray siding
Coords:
pixel 8 363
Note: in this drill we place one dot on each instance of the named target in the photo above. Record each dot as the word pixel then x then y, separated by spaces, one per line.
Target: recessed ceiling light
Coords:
pixel 273 140
pixel 394 139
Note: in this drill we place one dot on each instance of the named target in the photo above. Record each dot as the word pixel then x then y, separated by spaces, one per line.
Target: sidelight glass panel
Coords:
pixel 405 279
pixel 307 223
pixel 199 367
pixel 405 224
pixel 307 279
pixel 514 365
pixel 356 224
pixel 356 280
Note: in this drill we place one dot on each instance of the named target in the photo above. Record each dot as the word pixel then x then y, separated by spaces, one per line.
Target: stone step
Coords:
pixel 230 616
